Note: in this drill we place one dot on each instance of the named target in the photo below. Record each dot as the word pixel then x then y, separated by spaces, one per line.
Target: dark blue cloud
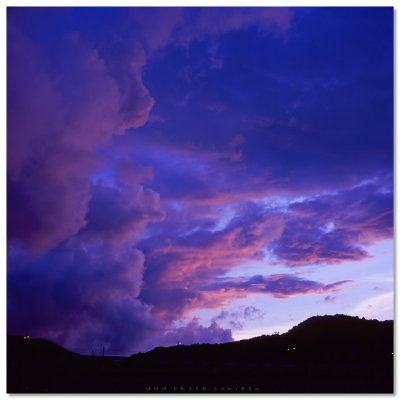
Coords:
pixel 315 110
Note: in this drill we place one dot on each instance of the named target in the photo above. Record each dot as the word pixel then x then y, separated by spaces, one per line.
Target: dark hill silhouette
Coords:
pixel 32 349
pixel 329 354
pixel 336 338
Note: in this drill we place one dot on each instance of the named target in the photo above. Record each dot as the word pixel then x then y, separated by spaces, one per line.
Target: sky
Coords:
pixel 196 175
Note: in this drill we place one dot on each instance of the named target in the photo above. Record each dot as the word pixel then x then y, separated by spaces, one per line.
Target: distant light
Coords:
pixel 26 337
pixel 392 353
pixel 288 349
pixel 294 348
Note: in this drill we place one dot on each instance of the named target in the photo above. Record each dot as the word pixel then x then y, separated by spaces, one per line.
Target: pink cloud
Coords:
pixel 80 282
pixel 61 107
pixel 203 254
pixel 224 291
pixel 280 286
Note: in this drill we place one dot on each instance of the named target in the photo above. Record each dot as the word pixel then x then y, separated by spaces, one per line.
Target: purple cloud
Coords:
pixel 317 230
pixel 62 105
pixel 180 262
pixel 237 318
pixel 83 295
pixel 253 313
pixel 336 228
pixel 193 332
pixel 181 26
pixel 329 299
pixel 279 286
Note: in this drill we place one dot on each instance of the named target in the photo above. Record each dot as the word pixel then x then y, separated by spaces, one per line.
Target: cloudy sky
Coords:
pixel 196 174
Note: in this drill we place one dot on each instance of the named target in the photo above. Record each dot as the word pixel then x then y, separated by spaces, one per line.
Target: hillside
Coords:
pixel 30 349
pixel 336 338
pixel 330 354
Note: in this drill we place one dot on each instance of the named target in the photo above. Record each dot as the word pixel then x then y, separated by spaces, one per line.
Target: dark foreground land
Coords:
pixel 331 354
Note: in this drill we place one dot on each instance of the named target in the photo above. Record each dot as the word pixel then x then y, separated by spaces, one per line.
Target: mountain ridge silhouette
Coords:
pixel 323 354
pixel 329 338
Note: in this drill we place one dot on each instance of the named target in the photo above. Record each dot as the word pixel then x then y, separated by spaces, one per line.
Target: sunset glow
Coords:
pixel 196 175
